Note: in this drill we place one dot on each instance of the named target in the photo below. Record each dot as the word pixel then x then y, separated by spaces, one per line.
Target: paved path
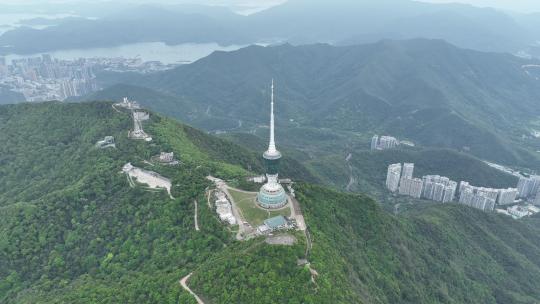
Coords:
pixel 209 195
pixel 352 179
pixel 116 109
pixel 242 229
pixel 183 283
pixel 196 219
pixel 296 212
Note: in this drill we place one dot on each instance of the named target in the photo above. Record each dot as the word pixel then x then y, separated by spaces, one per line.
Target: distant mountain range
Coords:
pixel 296 21
pixel 425 90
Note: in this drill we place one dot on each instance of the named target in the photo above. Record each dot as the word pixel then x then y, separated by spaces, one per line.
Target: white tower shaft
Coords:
pixel 272 144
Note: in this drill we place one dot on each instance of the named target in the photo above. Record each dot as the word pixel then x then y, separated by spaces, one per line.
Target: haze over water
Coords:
pixel 147 51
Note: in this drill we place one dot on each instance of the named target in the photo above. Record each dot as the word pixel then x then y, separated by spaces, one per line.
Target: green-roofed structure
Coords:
pixel 276 223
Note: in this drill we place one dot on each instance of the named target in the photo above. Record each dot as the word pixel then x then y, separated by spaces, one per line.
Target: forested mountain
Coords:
pixel 294 21
pixel 361 21
pixel 425 90
pixel 72 230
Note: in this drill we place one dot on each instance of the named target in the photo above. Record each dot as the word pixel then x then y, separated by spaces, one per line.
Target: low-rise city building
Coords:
pixel 518 212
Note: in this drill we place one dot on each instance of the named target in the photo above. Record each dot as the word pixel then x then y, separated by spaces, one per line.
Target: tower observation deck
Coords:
pixel 272 195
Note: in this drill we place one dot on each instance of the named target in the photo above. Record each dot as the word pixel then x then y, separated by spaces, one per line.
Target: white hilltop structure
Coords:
pixel 128 104
pixel 152 179
pixel 272 195
pixel 138 132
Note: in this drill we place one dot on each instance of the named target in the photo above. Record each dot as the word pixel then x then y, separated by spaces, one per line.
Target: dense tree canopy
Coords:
pixel 72 230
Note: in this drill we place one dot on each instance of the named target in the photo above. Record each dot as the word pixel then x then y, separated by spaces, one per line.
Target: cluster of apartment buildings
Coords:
pixel 486 198
pixel 400 179
pixel 224 208
pixel 383 143
pixel 46 78
pixel 439 188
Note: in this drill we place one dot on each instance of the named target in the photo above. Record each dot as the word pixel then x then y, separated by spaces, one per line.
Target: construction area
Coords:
pixel 152 179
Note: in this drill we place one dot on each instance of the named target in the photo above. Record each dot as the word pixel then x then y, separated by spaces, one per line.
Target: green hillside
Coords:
pixel 446 254
pixel 72 230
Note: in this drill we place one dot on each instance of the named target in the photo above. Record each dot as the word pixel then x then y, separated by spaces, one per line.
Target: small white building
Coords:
pixel 518 212
pixel 257 179
pixel 128 104
pixel 166 157
pixel 107 142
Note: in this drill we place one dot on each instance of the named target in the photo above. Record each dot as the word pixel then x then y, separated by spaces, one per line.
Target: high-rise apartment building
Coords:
pixel 408 170
pixel 507 196
pixel 374 142
pixel 393 176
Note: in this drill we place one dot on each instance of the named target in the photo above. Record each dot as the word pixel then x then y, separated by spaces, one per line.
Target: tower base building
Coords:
pixel 272 196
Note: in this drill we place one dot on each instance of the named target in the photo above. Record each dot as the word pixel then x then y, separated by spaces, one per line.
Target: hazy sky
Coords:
pixel 525 6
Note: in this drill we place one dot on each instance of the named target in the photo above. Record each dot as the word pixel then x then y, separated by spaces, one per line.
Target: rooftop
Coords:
pixel 276 222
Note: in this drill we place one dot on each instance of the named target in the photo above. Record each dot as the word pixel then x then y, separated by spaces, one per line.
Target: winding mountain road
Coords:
pixel 196 218
pixel 352 179
pixel 183 283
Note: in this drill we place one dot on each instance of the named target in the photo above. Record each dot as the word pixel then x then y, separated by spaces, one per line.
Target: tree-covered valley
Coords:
pixel 73 231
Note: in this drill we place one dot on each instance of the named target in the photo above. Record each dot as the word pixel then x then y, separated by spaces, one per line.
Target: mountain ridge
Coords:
pixel 301 22
pixel 404 88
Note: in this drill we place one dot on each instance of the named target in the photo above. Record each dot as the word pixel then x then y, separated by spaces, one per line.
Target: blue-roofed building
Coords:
pixel 275 223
